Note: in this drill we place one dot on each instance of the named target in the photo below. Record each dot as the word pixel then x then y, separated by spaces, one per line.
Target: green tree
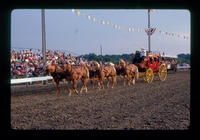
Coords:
pixel 183 58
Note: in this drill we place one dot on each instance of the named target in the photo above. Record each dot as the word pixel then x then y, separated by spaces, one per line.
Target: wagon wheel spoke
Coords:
pixel 149 75
pixel 145 79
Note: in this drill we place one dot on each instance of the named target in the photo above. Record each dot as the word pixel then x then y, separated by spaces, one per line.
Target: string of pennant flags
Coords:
pixel 149 31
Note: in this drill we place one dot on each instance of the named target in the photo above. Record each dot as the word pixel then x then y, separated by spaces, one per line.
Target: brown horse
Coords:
pixel 130 71
pixel 118 69
pixel 58 74
pixel 92 73
pixel 105 71
pixel 78 73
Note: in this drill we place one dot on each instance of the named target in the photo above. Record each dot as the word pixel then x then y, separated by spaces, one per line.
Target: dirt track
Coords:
pixel 159 105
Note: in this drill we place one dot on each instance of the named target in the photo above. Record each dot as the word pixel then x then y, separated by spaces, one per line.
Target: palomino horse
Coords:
pixel 78 73
pixel 129 70
pixel 58 74
pixel 105 72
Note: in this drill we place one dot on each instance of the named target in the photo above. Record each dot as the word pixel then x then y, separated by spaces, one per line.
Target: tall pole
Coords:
pixel 101 54
pixel 149 39
pixel 101 49
pixel 43 38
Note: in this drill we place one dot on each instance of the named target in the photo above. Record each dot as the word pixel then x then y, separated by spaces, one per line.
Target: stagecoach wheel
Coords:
pixel 162 73
pixel 149 75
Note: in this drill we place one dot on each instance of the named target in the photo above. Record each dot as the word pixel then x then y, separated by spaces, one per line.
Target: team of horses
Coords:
pixel 85 72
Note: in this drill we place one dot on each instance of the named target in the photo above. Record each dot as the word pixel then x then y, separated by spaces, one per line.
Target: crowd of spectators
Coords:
pixel 29 63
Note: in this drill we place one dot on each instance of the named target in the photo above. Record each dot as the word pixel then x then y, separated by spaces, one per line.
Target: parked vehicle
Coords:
pixel 171 63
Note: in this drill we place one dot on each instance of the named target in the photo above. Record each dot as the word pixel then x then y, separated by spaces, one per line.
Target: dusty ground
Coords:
pixel 159 105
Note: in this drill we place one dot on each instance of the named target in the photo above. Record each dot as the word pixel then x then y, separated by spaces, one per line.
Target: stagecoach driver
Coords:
pixel 143 54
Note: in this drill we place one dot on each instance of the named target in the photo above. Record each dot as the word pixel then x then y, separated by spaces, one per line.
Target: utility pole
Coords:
pixel 101 49
pixel 101 54
pixel 43 38
pixel 149 39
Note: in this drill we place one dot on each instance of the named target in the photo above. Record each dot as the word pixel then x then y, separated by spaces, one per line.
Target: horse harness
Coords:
pixel 59 75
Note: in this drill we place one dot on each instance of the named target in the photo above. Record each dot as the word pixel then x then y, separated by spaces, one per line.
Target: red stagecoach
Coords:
pixel 152 64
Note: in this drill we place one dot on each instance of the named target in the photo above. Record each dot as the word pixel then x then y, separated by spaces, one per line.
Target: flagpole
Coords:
pixel 149 39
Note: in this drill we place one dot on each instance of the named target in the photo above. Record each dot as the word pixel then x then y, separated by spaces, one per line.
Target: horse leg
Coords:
pixel 100 84
pixel 92 83
pixel 134 79
pixel 128 79
pixel 108 82
pixel 82 85
pixel 116 79
pixel 124 81
pixel 57 87
pixel 85 84
pixel 113 80
pixel 69 88
pixel 75 86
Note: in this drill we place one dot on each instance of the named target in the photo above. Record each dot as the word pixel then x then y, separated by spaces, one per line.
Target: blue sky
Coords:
pixel 68 31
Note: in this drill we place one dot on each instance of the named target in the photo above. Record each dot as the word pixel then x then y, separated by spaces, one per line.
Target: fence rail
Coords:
pixel 36 79
pixel 29 80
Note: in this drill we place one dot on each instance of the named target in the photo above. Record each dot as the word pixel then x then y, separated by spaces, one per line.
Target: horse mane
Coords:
pixel 50 68
pixel 122 61
pixel 67 66
pixel 112 64
pixel 98 65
